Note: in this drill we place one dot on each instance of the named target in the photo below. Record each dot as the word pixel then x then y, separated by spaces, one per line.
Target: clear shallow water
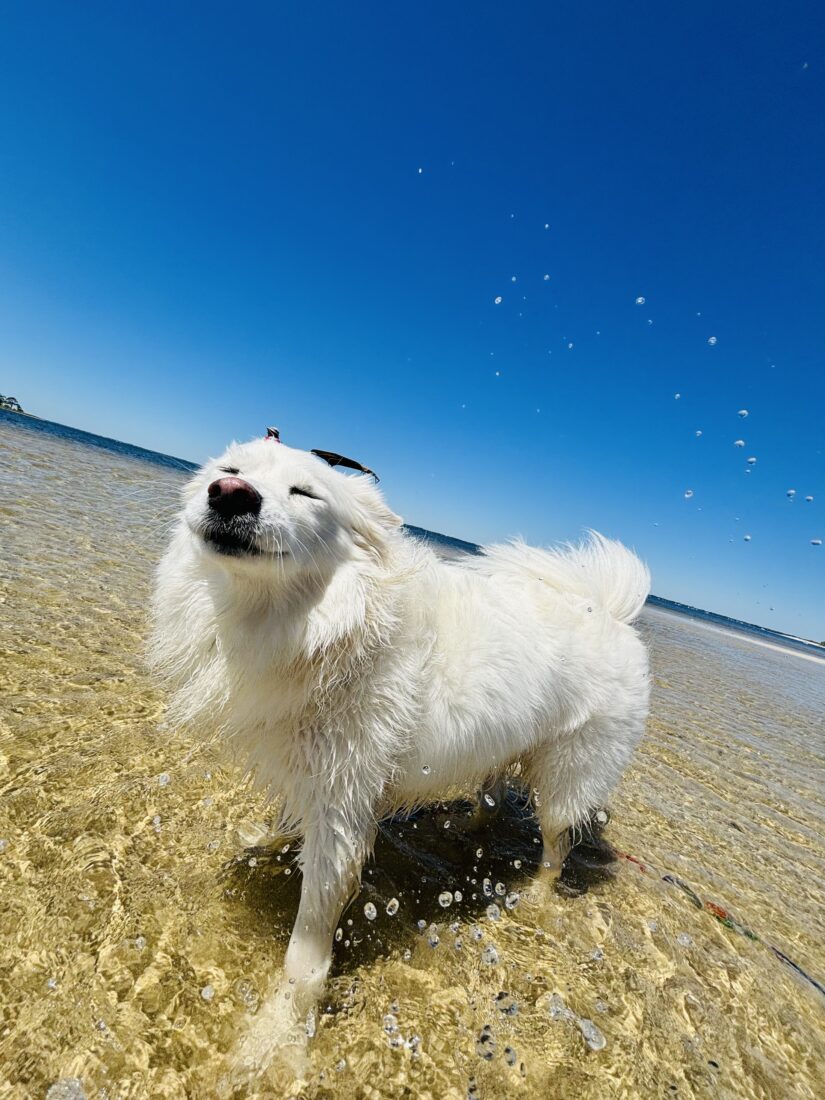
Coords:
pixel 136 931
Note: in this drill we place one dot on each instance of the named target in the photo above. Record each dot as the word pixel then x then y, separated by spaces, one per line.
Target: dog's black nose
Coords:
pixel 230 496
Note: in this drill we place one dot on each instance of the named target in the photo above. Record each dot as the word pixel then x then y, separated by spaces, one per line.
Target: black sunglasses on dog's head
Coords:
pixel 340 460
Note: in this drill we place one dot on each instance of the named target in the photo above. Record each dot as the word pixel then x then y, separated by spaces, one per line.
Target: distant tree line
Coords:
pixel 10 403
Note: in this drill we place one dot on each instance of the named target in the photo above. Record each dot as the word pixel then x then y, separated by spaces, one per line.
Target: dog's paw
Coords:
pixel 274 1044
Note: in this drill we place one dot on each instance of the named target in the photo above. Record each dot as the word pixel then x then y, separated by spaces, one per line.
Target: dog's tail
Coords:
pixel 599 569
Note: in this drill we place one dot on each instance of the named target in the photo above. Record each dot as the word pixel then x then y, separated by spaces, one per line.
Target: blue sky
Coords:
pixel 214 220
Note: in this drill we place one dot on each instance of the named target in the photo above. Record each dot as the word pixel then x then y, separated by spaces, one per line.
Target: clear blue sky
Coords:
pixel 216 217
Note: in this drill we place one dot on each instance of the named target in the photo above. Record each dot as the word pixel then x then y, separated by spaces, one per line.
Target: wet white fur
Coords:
pixel 356 672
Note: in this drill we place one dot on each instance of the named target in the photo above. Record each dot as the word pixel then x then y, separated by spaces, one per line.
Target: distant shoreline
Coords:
pixel 780 643
pixel 449 547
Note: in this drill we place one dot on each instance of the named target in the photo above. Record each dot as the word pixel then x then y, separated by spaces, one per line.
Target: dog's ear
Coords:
pixel 372 520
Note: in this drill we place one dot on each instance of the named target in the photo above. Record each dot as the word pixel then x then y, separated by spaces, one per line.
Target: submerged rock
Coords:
pixel 67 1088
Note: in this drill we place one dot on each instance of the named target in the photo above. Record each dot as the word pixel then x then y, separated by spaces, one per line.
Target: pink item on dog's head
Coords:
pixel 273 434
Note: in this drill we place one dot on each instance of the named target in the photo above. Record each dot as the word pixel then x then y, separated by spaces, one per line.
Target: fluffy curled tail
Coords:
pixel 599 569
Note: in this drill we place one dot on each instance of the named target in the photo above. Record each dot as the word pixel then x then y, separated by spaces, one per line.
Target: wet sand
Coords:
pixel 137 932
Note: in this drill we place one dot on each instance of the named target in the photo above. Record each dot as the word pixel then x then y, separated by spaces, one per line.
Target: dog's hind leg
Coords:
pixel 573 772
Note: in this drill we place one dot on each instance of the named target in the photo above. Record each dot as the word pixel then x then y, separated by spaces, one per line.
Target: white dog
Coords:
pixel 356 673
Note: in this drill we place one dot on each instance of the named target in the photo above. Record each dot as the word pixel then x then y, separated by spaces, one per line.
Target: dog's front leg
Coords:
pixel 331 860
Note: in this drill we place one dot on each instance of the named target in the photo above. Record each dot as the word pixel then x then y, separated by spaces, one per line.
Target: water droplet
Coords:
pixel 506 1004
pixel 476 933
pixel 432 936
pixel 485 1043
pixel 479 853
pixel 752 461
pixel 698 432
pixel 684 940
pixel 512 900
pixel 311 1023
pixel 809 499
pixel 498 300
pixel 592 1035
pixel 340 1065
pixel 445 899
pixel 392 907
pixel 420 171
pixel 747 538
pixel 640 301
pixel 546 225
pixel 493 912
pixel 712 340
pixel 487 887
pixel 677 397
pixel 601 817
pixel 501 889
pixel 208 992
pixel 163 779
pixel 688 494
pixel 510 1056
pixel 339 934
pixel 390 1023
pixel 140 942
pixel 570 345
pixel 3 844
pixel 547 278
pixel 512 278
pixel 370 912
pixel 739 442
pixel 816 542
pixel 517 863
pixel 425 768
pixel 458 895
pixel 490 955
pixel 490 801
pixel 742 413
pixel 557 1009
pixel 791 493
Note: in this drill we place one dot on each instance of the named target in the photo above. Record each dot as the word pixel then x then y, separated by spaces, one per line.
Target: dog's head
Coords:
pixel 267 510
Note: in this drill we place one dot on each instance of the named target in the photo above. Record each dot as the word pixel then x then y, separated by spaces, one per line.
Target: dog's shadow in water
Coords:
pixel 417 859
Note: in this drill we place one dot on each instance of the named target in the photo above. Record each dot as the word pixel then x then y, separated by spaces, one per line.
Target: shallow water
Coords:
pixel 137 932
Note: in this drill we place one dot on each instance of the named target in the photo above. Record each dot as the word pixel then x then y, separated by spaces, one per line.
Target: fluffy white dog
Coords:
pixel 356 672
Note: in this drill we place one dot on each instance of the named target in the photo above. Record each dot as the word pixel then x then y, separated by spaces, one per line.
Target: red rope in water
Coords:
pixel 724 917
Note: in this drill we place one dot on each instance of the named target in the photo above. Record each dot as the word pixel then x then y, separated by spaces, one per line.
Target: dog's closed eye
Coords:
pixel 229 470
pixel 298 491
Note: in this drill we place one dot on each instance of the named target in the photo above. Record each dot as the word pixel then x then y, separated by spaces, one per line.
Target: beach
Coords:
pixel 137 931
